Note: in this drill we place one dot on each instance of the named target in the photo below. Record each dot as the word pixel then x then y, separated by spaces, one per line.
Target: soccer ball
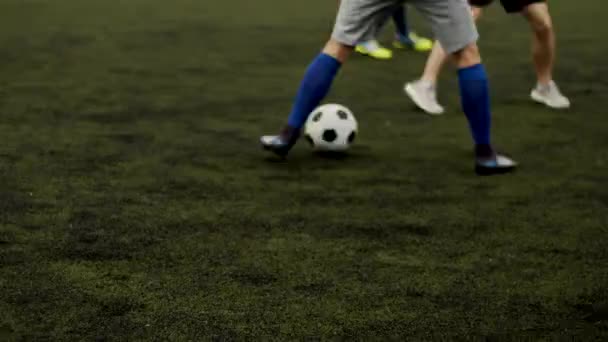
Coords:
pixel 331 127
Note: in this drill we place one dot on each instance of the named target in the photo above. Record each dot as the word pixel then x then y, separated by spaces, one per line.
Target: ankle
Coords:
pixel 428 81
pixel 544 82
pixel 484 151
pixel 403 37
pixel 290 132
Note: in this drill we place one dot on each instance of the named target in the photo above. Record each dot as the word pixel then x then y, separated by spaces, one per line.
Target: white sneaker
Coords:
pixel 550 96
pixel 423 94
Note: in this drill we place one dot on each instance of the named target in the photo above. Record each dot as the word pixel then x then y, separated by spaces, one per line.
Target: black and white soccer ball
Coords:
pixel 331 127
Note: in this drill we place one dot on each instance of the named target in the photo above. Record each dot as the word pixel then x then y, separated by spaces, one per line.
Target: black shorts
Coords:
pixel 511 6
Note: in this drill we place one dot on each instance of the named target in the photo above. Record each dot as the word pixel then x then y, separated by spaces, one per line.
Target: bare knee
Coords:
pixel 468 56
pixel 337 50
pixel 543 28
pixel 540 20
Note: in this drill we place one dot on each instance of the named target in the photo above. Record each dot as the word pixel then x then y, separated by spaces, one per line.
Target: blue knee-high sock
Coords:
pixel 400 19
pixel 314 87
pixel 475 98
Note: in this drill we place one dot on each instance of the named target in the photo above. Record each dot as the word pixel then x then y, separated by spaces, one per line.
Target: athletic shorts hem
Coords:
pixel 517 6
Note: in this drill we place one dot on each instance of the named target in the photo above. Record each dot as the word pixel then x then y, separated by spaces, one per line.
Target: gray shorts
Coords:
pixel 451 20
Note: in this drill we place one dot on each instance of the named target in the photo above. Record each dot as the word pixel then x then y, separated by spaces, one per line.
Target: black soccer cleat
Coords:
pixel 495 165
pixel 281 144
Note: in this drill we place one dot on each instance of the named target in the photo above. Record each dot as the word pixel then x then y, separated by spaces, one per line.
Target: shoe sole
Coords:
pixel 492 171
pixel 378 58
pixel 400 46
pixel 369 54
pixel 279 152
pixel 539 99
pixel 410 93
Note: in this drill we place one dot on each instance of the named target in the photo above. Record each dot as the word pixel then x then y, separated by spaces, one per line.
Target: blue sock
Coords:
pixel 400 19
pixel 314 87
pixel 475 98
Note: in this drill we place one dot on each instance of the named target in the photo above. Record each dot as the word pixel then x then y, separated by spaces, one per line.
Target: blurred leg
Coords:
pixel 543 47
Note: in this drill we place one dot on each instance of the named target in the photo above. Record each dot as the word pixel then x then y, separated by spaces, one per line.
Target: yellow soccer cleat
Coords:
pixel 421 44
pixel 413 41
pixel 374 50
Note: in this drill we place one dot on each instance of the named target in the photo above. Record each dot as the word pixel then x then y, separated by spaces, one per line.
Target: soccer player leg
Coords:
pixel 454 27
pixel 400 20
pixel 356 21
pixel 543 52
pixel 423 92
pixel 475 99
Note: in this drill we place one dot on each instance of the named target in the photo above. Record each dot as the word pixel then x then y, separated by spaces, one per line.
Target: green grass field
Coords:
pixel 136 204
